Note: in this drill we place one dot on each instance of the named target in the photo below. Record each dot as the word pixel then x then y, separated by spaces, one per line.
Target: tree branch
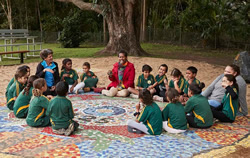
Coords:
pixel 85 6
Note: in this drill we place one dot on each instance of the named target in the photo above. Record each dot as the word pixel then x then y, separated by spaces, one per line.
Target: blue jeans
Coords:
pixel 214 103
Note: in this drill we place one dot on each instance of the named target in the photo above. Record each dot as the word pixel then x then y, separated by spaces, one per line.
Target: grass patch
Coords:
pixel 155 50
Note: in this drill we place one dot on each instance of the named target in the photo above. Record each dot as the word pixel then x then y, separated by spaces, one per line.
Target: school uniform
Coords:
pixel 181 83
pixel 37 112
pixel 175 115
pixel 89 82
pixel 13 91
pixel 160 87
pixel 151 117
pixel 145 83
pixel 61 112
pixel 73 76
pixel 9 85
pixel 22 103
pixel 229 106
pixel 187 85
pixel 199 112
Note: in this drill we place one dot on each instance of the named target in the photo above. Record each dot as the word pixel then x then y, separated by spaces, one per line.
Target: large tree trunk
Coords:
pixel 121 25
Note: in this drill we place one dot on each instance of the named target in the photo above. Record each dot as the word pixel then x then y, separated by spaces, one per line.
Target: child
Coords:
pixel 38 105
pixel 146 80
pixel 68 74
pixel 191 74
pixel 88 78
pixel 149 120
pixel 198 109
pixel 178 81
pixel 16 87
pixel 161 83
pixel 174 119
pixel 61 112
pixel 227 111
pixel 25 67
pixel 21 105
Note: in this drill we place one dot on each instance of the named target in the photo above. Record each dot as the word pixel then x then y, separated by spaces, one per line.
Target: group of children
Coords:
pixel 25 97
pixel 186 104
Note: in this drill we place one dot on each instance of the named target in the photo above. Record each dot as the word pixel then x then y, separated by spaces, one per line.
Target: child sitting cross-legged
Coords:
pixel 38 105
pixel 61 112
pixel 146 80
pixel 22 103
pixel 174 118
pixel 149 120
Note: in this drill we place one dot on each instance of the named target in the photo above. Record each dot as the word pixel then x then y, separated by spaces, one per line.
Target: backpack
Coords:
pixel 243 61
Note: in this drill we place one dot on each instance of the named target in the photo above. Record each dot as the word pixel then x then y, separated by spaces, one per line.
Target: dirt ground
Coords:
pixel 206 73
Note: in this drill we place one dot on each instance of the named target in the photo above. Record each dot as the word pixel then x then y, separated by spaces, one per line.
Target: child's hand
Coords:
pixel 110 73
pixel 94 77
pixel 71 89
pixel 50 97
pixel 85 78
pixel 53 88
pixel 138 106
pixel 176 82
pixel 150 87
pixel 14 98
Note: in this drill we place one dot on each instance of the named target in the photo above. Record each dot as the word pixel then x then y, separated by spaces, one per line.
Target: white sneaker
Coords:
pixel 69 130
pixel 134 96
pixel 157 98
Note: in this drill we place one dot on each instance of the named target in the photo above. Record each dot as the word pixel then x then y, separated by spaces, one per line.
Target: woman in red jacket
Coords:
pixel 122 77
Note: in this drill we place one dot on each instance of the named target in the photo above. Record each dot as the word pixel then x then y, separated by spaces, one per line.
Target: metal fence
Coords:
pixel 169 36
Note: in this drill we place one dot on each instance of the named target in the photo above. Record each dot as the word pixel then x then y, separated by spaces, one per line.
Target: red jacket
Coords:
pixel 128 76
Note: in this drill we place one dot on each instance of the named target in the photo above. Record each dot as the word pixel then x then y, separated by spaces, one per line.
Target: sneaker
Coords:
pixel 134 96
pixel 157 98
pixel 59 131
pixel 69 130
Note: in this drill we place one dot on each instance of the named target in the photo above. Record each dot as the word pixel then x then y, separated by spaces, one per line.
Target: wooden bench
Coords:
pixel 15 52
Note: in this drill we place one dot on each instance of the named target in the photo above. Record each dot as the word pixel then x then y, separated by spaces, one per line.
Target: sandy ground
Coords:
pixel 206 72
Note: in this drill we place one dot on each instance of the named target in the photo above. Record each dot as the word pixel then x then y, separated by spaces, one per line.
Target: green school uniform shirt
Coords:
pixel 200 107
pixel 89 82
pixel 187 85
pixel 181 83
pixel 22 103
pixel 145 83
pixel 9 85
pixel 230 106
pixel 73 76
pixel 175 115
pixel 13 91
pixel 151 117
pixel 160 80
pixel 61 112
pixel 37 111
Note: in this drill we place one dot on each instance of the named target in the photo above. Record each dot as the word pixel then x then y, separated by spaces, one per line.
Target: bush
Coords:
pixel 72 34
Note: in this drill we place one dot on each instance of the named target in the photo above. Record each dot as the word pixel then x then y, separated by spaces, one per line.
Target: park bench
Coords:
pixel 15 52
pixel 9 38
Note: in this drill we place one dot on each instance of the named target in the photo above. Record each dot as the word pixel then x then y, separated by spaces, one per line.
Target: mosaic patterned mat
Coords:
pixel 103 133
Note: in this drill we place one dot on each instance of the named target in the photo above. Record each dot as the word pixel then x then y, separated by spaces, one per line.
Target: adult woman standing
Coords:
pixel 122 77
pixel 215 91
pixel 48 69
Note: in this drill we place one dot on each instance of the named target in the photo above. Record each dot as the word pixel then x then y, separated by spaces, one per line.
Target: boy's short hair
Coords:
pixel 86 64
pixel 123 52
pixel 192 69
pixel 62 88
pixel 164 65
pixel 20 73
pixel 45 53
pixel 146 68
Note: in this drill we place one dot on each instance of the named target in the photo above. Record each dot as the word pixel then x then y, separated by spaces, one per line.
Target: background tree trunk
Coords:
pixel 8 12
pixel 121 25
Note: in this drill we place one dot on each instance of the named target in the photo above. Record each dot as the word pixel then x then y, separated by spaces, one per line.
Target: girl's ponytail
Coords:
pixel 29 84
pixel 38 84
pixel 36 92
pixel 173 95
